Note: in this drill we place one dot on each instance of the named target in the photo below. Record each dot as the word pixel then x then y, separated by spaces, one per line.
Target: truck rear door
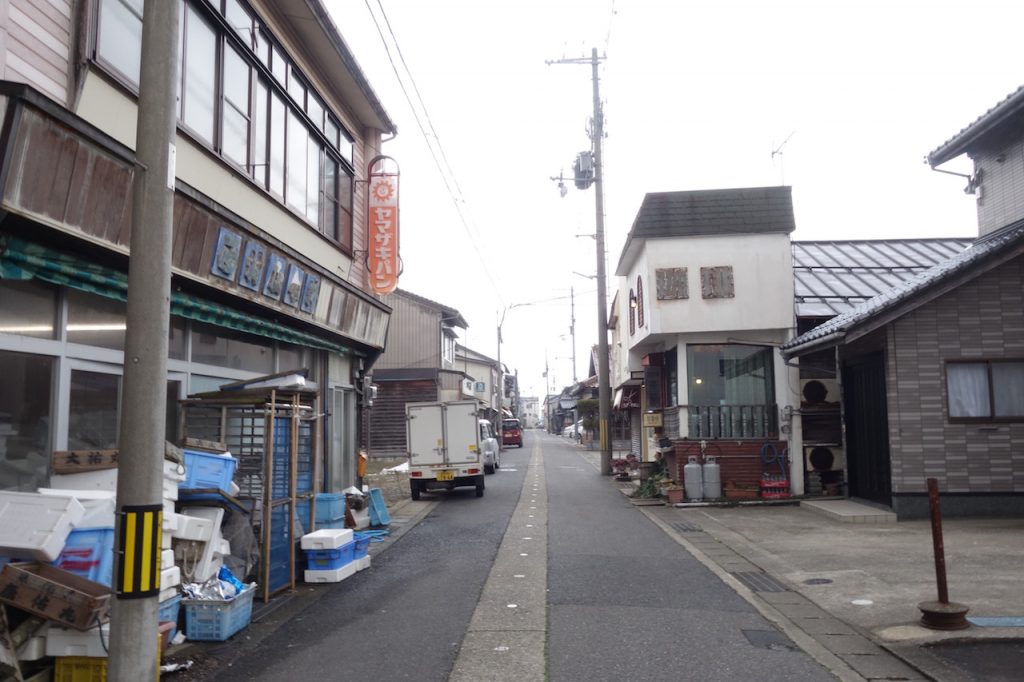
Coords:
pixel 425 430
pixel 463 437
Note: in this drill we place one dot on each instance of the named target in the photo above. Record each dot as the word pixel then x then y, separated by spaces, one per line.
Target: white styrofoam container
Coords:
pixel 222 548
pixel 170 489
pixel 170 523
pixel 193 528
pixel 166 558
pixel 166 541
pixel 168 593
pixel 36 526
pixel 362 563
pixel 326 538
pixel 66 642
pixel 174 471
pixel 170 577
pixel 331 576
pixel 33 649
pixel 100 505
pixel 168 508
pixel 101 479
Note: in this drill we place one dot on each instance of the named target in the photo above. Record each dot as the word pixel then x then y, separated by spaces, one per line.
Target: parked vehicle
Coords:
pixel 573 430
pixel 511 432
pixel 489 444
pixel 444 446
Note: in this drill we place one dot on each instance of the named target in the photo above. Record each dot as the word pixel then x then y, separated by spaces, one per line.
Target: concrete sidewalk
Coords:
pixel 807 565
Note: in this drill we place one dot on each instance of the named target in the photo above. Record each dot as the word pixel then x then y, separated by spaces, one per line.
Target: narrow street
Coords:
pixel 552 575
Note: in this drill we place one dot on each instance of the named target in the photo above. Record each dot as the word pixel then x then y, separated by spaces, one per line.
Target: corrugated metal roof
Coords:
pixel 831 277
pixel 904 291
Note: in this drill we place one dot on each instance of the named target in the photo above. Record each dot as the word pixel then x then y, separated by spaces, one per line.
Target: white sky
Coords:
pixel 697 95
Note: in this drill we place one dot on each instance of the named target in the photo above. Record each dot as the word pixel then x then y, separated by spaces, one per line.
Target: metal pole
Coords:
pixel 133 627
pixel 937 544
pixel 603 382
pixel 501 386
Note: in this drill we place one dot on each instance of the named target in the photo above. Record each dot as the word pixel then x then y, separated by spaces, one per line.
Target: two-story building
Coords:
pixel 419 365
pixel 276 125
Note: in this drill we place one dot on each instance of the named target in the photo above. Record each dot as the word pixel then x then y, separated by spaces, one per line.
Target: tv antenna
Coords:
pixel 778 152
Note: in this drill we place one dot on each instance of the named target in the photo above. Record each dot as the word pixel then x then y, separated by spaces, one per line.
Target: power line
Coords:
pixel 448 178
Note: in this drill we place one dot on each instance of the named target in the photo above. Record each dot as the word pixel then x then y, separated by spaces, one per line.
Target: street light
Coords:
pixel 501 373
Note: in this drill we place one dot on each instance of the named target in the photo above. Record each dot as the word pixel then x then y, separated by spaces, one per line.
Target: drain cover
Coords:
pixel 687 527
pixel 760 582
pixel 769 639
pixel 818 581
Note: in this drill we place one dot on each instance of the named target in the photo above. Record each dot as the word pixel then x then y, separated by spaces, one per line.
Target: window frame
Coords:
pixel 991 418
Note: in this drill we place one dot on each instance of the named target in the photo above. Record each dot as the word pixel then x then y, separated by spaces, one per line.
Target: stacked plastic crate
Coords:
pixel 330 555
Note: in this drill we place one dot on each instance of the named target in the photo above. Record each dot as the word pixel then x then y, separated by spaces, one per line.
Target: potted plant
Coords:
pixel 674 493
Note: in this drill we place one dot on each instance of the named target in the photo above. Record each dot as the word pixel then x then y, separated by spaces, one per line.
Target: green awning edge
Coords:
pixel 23 260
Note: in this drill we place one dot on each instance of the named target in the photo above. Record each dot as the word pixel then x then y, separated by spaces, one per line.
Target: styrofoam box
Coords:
pixel 174 471
pixel 36 526
pixel 170 489
pixel 222 548
pixel 168 592
pixel 326 538
pixel 66 642
pixel 170 577
pixel 193 528
pixel 101 479
pixel 362 563
pixel 170 523
pixel 166 558
pixel 333 576
pixel 33 649
pixel 168 508
pixel 166 541
pixel 99 505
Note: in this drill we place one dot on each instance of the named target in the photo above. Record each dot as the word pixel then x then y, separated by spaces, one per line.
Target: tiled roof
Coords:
pixel 830 277
pixel 958 144
pixel 450 315
pixel 750 210
pixel 919 284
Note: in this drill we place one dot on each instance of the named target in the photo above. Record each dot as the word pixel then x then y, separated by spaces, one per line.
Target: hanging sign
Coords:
pixel 382 258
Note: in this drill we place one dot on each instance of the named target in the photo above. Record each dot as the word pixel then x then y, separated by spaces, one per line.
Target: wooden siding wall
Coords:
pixel 386 420
pixel 982 319
pixel 35 45
pixel 1002 187
pixel 414 337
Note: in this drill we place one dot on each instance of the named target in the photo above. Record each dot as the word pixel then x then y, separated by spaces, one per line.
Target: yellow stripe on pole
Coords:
pixel 139 555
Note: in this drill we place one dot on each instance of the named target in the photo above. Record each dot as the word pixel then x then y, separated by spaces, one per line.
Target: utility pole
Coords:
pixel 603 379
pixel 572 332
pixel 134 616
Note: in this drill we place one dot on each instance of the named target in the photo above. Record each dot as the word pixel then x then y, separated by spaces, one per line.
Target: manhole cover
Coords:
pixel 769 639
pixel 818 581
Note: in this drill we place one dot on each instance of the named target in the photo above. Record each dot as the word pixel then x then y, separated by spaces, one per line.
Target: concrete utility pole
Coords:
pixel 133 627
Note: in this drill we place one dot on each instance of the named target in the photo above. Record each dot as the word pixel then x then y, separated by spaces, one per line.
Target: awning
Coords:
pixel 22 260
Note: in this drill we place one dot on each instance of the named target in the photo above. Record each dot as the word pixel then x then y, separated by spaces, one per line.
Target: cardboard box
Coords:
pixel 54 594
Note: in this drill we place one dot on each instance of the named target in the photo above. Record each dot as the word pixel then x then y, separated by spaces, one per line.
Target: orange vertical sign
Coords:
pixel 382 258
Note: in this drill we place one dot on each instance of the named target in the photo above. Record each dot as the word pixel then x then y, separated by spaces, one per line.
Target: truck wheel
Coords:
pixel 489 468
pixel 480 486
pixel 414 489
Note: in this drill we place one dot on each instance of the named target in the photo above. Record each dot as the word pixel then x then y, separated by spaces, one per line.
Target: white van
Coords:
pixel 489 446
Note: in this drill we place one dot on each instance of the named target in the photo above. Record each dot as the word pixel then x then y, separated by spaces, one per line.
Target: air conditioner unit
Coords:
pixel 467 387
pixel 824 458
pixel 819 392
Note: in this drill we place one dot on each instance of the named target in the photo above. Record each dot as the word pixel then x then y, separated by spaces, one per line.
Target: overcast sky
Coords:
pixel 697 95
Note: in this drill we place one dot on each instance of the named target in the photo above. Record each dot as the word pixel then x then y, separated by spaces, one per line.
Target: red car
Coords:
pixel 511 432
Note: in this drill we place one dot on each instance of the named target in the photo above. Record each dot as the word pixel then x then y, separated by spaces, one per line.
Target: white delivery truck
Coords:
pixel 443 439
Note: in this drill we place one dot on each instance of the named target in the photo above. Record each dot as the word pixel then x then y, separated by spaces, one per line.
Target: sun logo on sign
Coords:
pixel 383 190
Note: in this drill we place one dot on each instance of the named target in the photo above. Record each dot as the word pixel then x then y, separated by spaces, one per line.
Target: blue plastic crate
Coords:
pixel 169 612
pixel 214 620
pixel 330 559
pixel 203 470
pixel 89 553
pixel 329 507
pixel 362 541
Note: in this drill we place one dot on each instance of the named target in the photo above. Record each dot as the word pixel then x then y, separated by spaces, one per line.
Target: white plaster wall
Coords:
pixel 762 274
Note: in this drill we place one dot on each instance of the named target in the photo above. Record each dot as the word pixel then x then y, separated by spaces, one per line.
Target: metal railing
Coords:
pixel 732 421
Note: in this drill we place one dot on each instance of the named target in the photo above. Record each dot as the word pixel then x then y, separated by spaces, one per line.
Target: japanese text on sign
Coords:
pixel 382 228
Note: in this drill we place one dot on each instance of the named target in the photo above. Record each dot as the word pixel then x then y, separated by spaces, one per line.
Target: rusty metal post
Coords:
pixel 941 614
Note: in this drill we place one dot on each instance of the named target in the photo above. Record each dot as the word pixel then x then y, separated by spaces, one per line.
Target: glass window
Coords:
pixel 329 200
pixel 95 320
pixel 176 343
pixel 200 52
pixel 28 309
pixel 198 383
pixel 985 390
pixel 345 201
pixel 235 117
pixel 119 39
pixel 331 131
pixel 225 348
pixel 239 20
pixel 277 148
pixel 313 185
pixel 25 423
pixel 173 417
pixel 298 145
pixel 263 48
pixel 296 88
pixel 279 66
pixel 260 117
pixel 730 374
pixel 289 357
pixel 94 410
pixel 315 111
